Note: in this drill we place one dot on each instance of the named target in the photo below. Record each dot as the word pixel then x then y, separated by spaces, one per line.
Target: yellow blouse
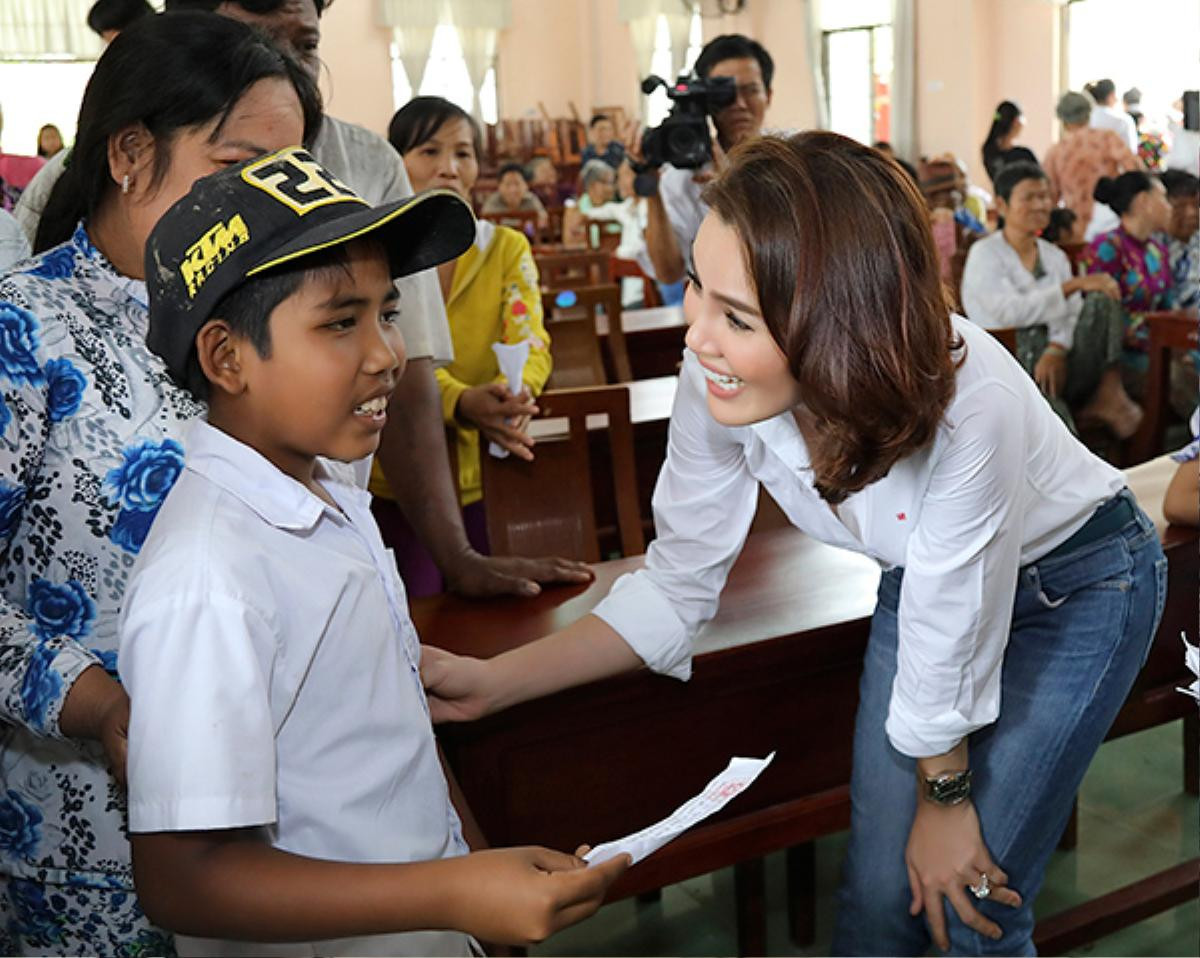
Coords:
pixel 494 297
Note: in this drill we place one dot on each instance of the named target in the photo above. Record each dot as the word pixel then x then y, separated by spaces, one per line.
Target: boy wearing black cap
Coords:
pixel 284 784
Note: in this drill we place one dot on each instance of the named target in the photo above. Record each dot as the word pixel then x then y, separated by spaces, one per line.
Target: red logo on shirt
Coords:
pixel 901 516
pixel 519 309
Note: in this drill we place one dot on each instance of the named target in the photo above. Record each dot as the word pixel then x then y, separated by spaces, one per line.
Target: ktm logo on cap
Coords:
pixel 208 252
pixel 298 181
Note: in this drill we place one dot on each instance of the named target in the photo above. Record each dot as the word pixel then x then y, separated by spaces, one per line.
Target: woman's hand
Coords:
pixel 1094 283
pixel 1050 371
pixel 459 688
pixel 489 408
pixel 520 896
pixel 945 854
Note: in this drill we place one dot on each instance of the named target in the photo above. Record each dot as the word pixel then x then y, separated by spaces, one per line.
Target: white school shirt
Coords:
pixel 272 668
pixel 1001 484
pixel 998 291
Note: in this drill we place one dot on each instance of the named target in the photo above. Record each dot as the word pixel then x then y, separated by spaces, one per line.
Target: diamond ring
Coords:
pixel 983 889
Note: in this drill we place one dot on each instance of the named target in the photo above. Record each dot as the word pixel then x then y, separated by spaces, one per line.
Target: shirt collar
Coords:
pixel 277 498
pixel 135 289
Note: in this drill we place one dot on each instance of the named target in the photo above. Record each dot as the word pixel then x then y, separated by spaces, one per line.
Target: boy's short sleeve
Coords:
pixel 201 734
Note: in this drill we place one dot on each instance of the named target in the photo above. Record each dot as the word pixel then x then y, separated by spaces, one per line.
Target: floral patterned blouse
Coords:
pixel 89 446
pixel 1142 268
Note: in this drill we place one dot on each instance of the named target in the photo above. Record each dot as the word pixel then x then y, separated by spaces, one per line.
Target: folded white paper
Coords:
pixel 511 357
pixel 1191 656
pixel 736 778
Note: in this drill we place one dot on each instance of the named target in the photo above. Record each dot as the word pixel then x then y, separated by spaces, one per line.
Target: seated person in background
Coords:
pixel 599 181
pixel 544 183
pixel 602 142
pixel 945 187
pixel 1183 234
pixel 313 810
pixel 1069 327
pixel 1181 504
pixel 49 141
pixel 1000 149
pixel 1076 162
pixel 1106 115
pixel 107 18
pixel 1134 255
pixel 492 296
pixel 1061 227
pixel 16 170
pixel 512 195
pixel 953 226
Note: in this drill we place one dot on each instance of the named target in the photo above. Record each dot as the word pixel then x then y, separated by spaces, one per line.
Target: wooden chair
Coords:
pixel 1168 331
pixel 524 222
pixel 1074 251
pixel 1007 337
pixel 587 301
pixel 582 267
pixel 575 350
pixel 547 507
pixel 628 268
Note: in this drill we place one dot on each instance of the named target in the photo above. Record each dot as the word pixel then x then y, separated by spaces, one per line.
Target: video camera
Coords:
pixel 682 139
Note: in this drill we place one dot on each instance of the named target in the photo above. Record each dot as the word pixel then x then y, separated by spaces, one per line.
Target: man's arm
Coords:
pixel 661 244
pixel 413 456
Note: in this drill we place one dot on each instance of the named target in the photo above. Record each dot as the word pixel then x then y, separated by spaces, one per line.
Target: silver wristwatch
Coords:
pixel 948 788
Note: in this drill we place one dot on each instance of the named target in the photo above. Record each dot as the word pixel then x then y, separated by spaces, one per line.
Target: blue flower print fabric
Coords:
pixel 91 431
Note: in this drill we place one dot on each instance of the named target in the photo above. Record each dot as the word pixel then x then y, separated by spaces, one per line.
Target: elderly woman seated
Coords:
pixel 1069 328
pixel 599 181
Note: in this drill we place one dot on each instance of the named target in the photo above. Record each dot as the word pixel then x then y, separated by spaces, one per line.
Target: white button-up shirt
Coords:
pixel 1002 483
pixel 1117 120
pixel 272 668
pixel 998 291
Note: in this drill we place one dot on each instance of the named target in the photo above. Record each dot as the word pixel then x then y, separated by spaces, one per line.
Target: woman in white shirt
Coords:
pixel 1023 584
pixel 1070 328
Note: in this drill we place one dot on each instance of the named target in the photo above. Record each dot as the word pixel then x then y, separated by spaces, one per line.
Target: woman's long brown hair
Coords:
pixel 837 243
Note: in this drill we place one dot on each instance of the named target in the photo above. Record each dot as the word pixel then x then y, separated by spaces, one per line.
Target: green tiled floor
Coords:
pixel 1134 819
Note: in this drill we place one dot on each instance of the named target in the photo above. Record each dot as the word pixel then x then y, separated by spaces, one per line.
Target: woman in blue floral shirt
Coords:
pixel 90 432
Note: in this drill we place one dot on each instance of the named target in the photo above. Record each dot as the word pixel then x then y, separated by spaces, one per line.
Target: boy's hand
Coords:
pixel 97 708
pixel 520 896
pixel 488 408
pixel 459 688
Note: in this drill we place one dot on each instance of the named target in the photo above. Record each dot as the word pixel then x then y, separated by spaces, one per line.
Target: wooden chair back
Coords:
pixel 586 302
pixel 600 235
pixel 1008 337
pixel 1174 330
pixel 575 268
pixel 575 351
pixel 548 506
pixel 1074 251
pixel 622 268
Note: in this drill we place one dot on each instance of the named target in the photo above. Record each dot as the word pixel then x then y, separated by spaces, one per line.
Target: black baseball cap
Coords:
pixel 264 213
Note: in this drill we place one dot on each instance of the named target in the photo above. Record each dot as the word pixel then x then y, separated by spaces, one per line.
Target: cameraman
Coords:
pixel 674 208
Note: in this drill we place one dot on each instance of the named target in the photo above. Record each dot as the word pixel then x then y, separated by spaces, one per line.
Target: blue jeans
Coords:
pixel 1081 630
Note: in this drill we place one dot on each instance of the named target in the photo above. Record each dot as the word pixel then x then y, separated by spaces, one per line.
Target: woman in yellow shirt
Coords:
pixel 492 296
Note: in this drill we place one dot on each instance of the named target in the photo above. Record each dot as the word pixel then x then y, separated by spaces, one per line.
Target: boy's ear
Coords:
pixel 131 154
pixel 219 352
